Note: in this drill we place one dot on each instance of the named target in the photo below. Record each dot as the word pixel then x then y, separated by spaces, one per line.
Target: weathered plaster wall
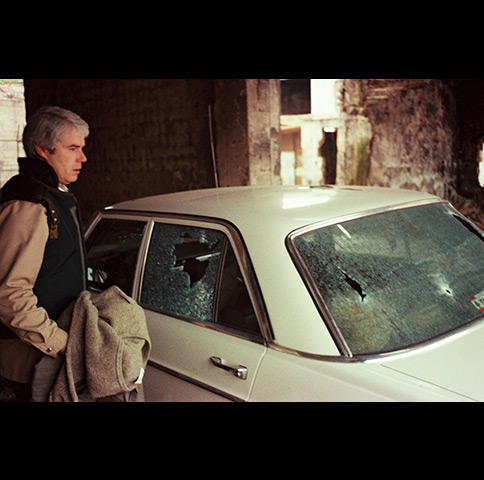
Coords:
pixel 248 140
pixel 398 133
pixel 230 131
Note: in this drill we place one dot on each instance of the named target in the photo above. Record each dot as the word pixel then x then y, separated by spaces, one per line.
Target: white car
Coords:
pixel 300 293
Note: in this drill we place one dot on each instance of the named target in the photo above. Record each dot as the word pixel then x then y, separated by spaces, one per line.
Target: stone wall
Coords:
pixel 263 129
pixel 153 136
pixel 398 133
pixel 246 117
pixel 147 136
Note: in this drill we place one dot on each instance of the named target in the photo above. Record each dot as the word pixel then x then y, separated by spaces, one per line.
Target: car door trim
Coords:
pixel 192 381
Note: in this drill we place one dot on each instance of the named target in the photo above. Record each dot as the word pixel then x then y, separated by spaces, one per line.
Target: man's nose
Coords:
pixel 83 157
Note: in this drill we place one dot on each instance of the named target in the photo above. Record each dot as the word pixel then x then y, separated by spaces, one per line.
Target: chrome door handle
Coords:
pixel 240 371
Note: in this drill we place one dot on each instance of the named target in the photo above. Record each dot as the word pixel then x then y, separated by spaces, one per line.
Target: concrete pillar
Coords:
pixel 263 116
pixel 247 136
pixel 229 126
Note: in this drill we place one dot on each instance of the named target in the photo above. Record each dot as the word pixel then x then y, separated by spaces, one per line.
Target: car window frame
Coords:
pixel 115 216
pixel 234 237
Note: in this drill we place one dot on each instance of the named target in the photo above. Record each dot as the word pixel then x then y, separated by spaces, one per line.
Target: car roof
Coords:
pixel 249 207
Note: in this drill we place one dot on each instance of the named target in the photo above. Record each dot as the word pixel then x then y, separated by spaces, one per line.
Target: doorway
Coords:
pixel 329 153
pixel 309 122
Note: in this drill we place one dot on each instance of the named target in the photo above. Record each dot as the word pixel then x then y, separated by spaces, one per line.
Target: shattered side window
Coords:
pixel 181 270
pixel 399 278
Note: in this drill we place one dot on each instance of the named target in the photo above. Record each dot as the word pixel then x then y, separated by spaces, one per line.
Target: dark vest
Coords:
pixel 62 275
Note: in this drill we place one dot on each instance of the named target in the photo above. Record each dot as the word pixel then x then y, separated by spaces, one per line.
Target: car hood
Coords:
pixel 455 363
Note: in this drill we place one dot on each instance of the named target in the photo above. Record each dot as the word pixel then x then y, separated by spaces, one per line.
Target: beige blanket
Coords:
pixel 107 350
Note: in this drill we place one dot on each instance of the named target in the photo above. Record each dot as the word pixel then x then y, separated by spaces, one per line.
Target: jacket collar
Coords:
pixel 39 170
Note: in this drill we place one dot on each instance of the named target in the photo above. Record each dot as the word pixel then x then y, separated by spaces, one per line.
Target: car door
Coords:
pixel 206 333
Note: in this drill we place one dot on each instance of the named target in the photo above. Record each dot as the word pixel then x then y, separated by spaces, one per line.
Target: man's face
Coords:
pixel 67 158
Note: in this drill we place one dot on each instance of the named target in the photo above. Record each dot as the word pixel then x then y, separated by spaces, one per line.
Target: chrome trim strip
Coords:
pixel 367 213
pixel 92 224
pixel 197 383
pixel 318 299
pixel 380 357
pixel 234 332
pixel 141 260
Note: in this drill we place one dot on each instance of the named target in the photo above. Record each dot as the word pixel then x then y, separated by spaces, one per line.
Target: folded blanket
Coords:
pixel 107 350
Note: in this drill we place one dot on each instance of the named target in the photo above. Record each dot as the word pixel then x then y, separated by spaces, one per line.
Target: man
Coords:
pixel 42 250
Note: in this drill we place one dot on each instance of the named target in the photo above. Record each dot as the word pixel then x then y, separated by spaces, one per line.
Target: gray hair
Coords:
pixel 46 126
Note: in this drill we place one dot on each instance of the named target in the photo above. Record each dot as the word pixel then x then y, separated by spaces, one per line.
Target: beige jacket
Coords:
pixel 24 232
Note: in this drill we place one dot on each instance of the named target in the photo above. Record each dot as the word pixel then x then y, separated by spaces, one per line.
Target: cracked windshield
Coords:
pixel 397 279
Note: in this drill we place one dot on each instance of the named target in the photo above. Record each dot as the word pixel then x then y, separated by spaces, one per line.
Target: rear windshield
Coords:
pixel 393 280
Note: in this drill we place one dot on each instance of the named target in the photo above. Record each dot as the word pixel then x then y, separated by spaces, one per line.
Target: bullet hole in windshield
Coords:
pixel 355 286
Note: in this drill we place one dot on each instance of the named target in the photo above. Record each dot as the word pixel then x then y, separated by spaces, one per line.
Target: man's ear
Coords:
pixel 40 152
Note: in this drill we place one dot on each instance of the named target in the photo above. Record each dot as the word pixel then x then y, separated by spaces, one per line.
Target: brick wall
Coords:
pixel 148 136
pixel 152 136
